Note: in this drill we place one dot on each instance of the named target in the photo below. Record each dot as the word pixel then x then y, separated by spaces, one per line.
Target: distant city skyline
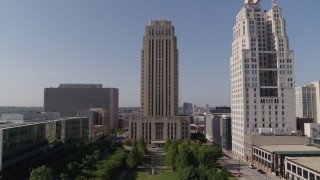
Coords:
pixel 46 43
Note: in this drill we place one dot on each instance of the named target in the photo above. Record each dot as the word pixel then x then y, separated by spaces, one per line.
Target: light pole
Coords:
pixel 239 166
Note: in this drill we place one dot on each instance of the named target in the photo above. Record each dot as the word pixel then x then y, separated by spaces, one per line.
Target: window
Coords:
pixel 311 176
pixel 305 174
pixel 299 171
pixel 293 168
pixel 289 166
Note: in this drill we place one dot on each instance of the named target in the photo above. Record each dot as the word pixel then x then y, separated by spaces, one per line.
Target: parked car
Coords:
pixel 251 166
pixel 260 171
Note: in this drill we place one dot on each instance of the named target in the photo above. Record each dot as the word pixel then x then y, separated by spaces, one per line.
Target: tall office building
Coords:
pixel 187 109
pixel 308 101
pixel 68 99
pixel 159 88
pixel 262 73
pixel 159 70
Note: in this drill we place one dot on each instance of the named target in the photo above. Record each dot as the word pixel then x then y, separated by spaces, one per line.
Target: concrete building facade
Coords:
pixel 159 70
pixel 156 130
pixel 212 125
pixel 68 99
pixel 262 73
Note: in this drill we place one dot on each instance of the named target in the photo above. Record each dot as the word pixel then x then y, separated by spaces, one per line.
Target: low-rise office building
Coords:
pixel 22 142
pixel 271 158
pixel 271 138
pixel 302 168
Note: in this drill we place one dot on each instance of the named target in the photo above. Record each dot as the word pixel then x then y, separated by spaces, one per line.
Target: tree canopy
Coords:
pixel 42 173
pixel 194 160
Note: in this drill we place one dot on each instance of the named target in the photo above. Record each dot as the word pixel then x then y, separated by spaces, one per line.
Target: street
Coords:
pixel 246 173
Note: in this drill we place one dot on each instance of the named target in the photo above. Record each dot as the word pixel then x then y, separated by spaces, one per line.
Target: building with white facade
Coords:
pixel 308 101
pixel 302 168
pixel 312 130
pixel 262 73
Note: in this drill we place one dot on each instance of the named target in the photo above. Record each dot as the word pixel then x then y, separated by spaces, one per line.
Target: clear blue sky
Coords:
pixel 44 43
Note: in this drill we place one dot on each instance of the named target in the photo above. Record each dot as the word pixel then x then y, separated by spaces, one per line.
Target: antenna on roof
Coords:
pixel 160 5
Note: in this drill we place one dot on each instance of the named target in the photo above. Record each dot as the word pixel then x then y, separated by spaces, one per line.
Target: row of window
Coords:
pixel 302 172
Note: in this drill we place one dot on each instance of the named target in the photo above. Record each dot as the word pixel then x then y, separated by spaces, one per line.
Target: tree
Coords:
pixel 188 173
pixel 64 176
pixel 127 142
pixel 41 173
pixel 167 145
pixel 142 148
pixel 195 161
pixel 208 155
pixel 133 158
pixel 171 154
pixel 186 155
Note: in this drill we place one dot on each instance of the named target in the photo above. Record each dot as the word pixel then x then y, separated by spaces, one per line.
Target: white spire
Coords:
pixel 274 3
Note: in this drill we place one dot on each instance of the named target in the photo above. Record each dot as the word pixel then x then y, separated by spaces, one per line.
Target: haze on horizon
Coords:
pixel 45 43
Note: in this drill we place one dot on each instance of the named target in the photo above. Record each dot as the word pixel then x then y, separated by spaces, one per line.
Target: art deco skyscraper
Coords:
pixel 159 118
pixel 159 71
pixel 262 73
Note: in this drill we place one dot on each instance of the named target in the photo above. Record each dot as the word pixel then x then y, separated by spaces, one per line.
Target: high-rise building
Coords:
pixel 262 73
pixel 159 70
pixel 187 109
pixel 308 101
pixel 68 99
pixel 159 88
pixel 225 131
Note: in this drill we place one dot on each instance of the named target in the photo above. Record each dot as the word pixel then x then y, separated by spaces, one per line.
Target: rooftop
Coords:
pixel 291 149
pixel 8 125
pixel 80 85
pixel 160 23
pixel 308 162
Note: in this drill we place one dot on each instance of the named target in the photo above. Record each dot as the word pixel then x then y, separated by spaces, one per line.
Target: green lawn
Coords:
pixel 162 174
